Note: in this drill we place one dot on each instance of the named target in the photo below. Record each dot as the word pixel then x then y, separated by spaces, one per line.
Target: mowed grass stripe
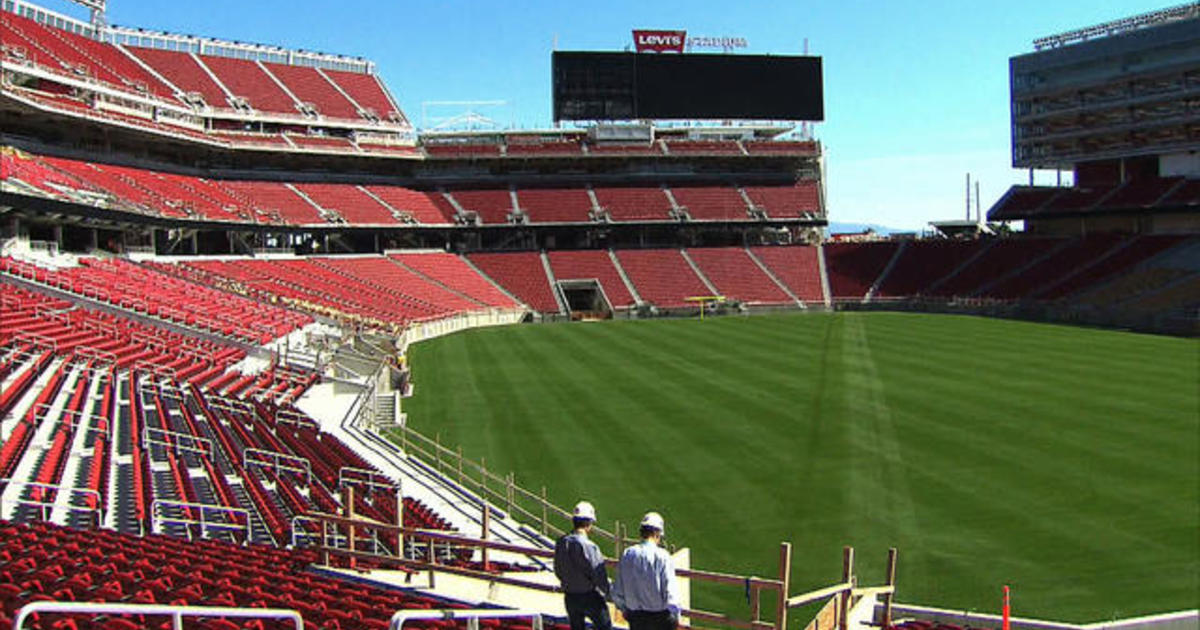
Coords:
pixel 1060 460
pixel 1130 484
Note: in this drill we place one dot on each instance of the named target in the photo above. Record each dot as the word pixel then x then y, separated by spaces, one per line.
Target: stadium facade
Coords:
pixel 1116 104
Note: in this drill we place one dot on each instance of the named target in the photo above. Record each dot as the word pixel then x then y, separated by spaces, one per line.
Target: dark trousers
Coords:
pixel 590 605
pixel 642 620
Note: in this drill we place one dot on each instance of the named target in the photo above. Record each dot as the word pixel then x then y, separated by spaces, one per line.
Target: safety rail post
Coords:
pixel 545 512
pixel 483 472
pixel 847 578
pixel 460 464
pixel 487 522
pixel 399 521
pixel 177 613
pixel 890 581
pixel 785 576
pixel 348 508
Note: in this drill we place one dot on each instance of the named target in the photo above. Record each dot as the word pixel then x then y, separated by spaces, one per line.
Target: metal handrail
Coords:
pixel 177 613
pixel 197 442
pixel 471 616
pixel 278 461
pixel 345 472
pixel 205 525
pixel 98 510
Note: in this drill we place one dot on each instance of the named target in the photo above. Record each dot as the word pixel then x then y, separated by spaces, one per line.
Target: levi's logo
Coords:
pixel 659 41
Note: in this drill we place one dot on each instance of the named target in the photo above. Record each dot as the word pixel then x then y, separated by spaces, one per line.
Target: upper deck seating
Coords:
pixel 350 202
pixel 711 203
pixel 786 201
pixel 311 86
pixel 246 79
pixel 185 72
pixel 555 205
pixel 624 203
pixel 492 205
pixel 367 91
pixel 426 208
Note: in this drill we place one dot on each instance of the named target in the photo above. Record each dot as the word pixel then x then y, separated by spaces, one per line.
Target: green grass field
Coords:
pixel 1062 461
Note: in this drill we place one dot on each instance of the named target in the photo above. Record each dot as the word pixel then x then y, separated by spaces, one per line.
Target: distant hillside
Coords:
pixel 841 228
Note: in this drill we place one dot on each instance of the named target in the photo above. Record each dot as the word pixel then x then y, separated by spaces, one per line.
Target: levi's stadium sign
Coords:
pixel 724 43
pixel 675 41
pixel 659 41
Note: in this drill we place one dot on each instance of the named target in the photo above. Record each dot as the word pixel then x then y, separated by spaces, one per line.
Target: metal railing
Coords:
pixel 277 462
pixel 471 616
pixel 159 517
pixel 176 613
pixel 451 542
pixel 329 537
pixel 176 439
pixel 369 478
pixel 499 490
pixel 46 507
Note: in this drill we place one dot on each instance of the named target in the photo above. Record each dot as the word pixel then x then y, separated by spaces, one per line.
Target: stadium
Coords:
pixel 273 356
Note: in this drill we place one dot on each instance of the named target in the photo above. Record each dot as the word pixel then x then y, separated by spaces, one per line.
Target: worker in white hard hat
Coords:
pixel 645 589
pixel 580 568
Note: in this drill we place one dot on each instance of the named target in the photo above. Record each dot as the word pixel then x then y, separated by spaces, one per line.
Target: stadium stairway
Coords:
pixel 461 508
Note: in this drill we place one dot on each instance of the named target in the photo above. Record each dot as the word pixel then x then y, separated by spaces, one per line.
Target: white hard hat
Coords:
pixel 653 520
pixel 583 509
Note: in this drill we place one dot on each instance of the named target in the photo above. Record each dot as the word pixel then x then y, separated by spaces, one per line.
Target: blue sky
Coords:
pixel 916 93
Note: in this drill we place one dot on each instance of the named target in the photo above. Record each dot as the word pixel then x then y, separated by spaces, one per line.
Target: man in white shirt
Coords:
pixel 580 568
pixel 645 589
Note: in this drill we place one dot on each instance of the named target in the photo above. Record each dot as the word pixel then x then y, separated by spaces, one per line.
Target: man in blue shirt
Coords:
pixel 645 590
pixel 580 568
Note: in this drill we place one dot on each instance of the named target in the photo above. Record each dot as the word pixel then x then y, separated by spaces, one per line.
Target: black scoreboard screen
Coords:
pixel 628 86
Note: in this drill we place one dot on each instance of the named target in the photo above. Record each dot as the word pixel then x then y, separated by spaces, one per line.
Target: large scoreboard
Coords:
pixel 651 86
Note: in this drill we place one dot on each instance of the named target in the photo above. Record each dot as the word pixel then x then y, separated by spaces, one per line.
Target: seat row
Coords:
pixel 1037 268
pixel 172 447
pixel 1024 202
pixel 145 290
pixel 663 277
pixel 42 562
pixel 158 193
pixel 220 81
pixel 376 290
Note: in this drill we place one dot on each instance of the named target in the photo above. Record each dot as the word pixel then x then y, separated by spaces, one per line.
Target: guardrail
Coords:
pixel 522 504
pixel 277 462
pixel 841 595
pixel 45 507
pixel 365 477
pixel 471 616
pixel 176 439
pixel 177 613
pixel 159 517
